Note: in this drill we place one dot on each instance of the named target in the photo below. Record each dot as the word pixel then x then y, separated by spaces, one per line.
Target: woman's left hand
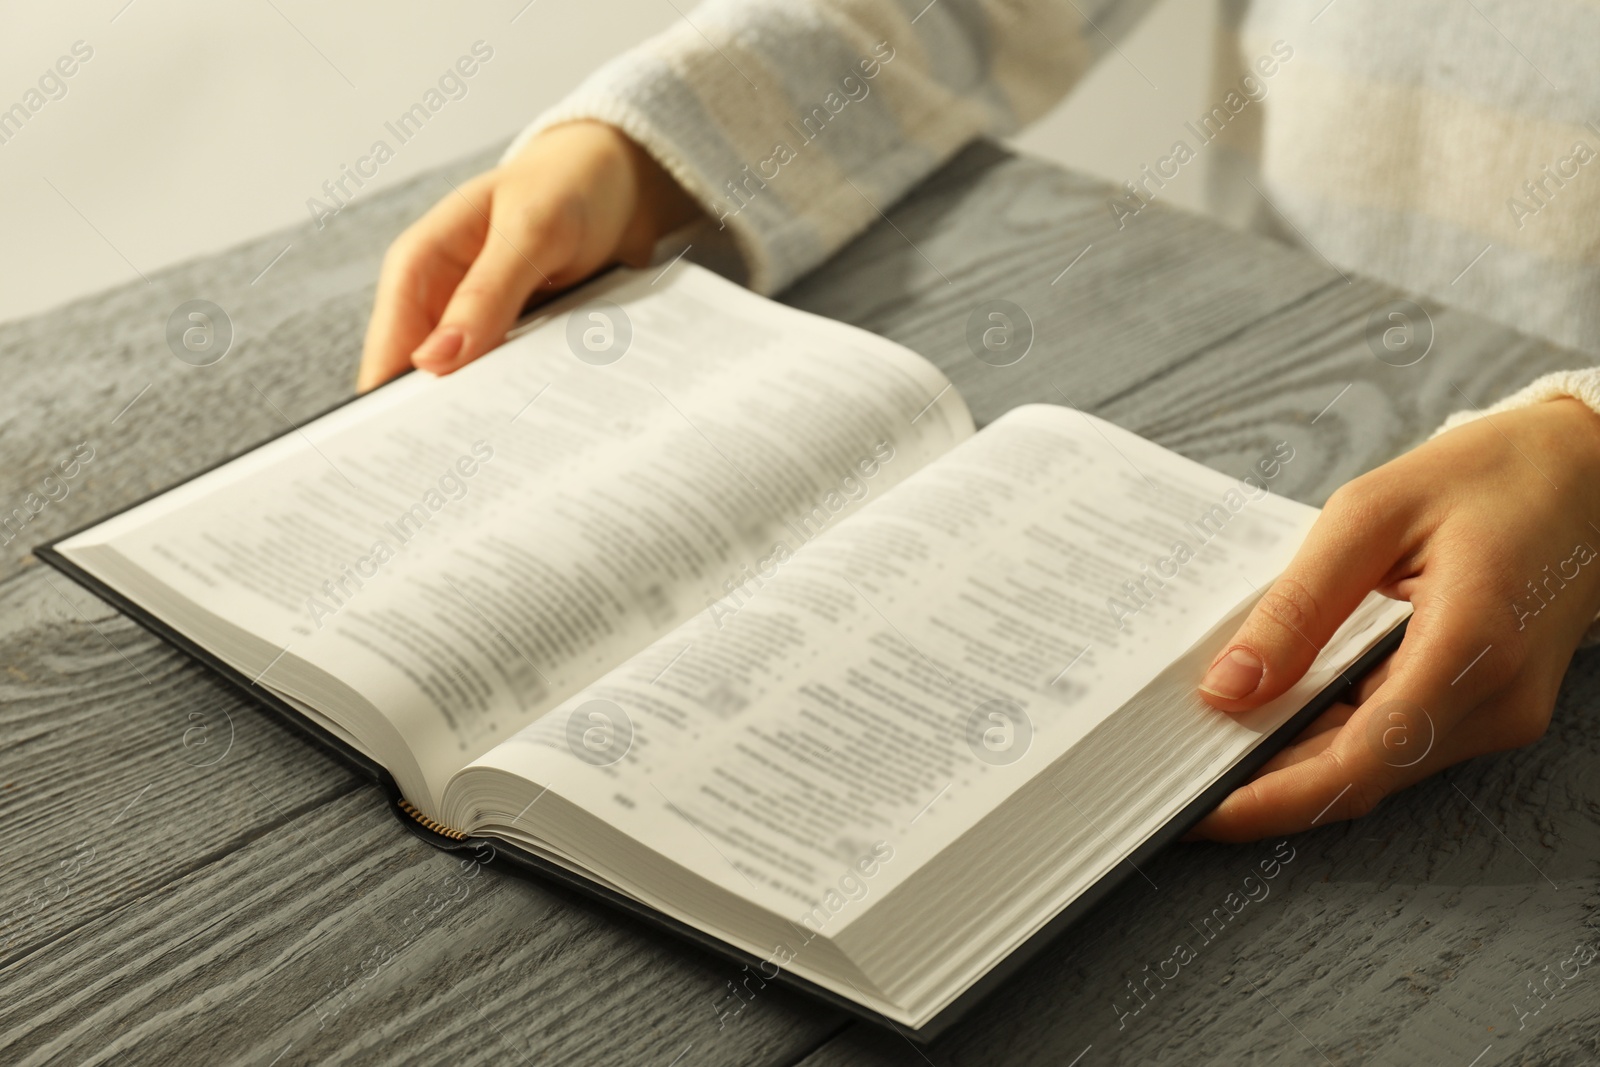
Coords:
pixel 1491 531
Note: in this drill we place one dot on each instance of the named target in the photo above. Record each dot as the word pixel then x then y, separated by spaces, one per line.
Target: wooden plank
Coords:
pixel 1407 937
pixel 1108 308
pixel 1308 375
pixel 125 766
pixel 341 938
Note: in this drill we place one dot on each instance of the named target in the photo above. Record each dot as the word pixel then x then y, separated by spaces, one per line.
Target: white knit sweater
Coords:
pixel 1449 148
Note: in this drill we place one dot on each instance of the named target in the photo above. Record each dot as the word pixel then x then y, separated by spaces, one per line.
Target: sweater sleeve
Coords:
pixel 794 123
pixel 1582 384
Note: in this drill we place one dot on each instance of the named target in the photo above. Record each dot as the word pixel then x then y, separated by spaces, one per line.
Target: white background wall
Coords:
pixel 196 125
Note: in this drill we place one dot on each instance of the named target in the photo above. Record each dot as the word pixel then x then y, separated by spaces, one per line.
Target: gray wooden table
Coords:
pixel 185 880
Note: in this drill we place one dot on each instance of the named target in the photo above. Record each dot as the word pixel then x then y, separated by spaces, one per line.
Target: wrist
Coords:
pixel 662 206
pixel 620 189
pixel 1577 426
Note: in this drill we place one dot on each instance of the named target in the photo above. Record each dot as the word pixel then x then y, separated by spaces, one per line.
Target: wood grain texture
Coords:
pixel 342 938
pixel 125 765
pixel 1306 374
pixel 990 225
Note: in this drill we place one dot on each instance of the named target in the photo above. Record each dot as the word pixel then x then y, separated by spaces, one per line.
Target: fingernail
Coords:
pixel 439 351
pixel 1233 676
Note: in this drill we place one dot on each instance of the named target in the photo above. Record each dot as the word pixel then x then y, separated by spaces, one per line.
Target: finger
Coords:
pixel 420 271
pixel 1369 682
pixel 527 243
pixel 1313 739
pixel 1349 550
pixel 1483 730
pixel 1308 743
pixel 1403 732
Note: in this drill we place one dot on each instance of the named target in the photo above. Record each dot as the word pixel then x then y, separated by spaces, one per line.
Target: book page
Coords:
pixel 482 545
pixel 882 691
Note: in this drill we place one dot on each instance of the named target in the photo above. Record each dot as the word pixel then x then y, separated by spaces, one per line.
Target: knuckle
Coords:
pixel 1365 791
pixel 519 216
pixel 1485 655
pixel 1353 496
pixel 547 220
pixel 1363 799
pixel 1503 659
pixel 1522 728
pixel 1289 606
pixel 1345 496
pixel 475 296
pixel 1365 502
pixel 1521 733
pixel 402 251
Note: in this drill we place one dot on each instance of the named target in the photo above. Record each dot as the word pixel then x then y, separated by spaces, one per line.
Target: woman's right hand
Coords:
pixel 576 198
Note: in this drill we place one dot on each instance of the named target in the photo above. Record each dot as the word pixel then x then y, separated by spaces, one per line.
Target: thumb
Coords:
pixel 1345 555
pixel 522 248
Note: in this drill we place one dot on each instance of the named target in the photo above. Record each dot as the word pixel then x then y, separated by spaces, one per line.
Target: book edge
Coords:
pixel 526 864
pixel 1213 795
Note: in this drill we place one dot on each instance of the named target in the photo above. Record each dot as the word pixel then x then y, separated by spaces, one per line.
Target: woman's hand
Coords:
pixel 1490 531
pixel 576 198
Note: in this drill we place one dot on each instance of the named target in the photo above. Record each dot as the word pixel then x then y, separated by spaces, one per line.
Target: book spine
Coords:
pixel 436 827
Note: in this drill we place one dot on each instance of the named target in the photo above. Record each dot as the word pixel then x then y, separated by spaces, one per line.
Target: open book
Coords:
pixel 726 609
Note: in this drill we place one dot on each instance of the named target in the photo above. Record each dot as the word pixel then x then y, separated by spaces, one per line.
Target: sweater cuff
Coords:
pixel 794 126
pixel 1582 385
pixel 723 137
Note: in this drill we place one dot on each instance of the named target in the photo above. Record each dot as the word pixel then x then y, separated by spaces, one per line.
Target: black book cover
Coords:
pixel 509 857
